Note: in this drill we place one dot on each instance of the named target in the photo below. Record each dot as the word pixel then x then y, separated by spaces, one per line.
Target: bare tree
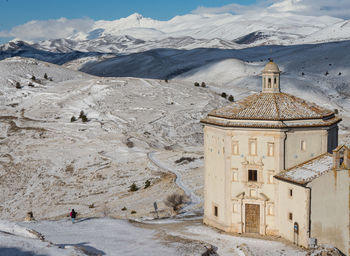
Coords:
pixel 174 201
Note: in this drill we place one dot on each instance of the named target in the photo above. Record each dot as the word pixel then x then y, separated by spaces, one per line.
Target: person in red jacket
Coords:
pixel 73 215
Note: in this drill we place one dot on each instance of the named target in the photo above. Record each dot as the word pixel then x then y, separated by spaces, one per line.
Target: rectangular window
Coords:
pixel 235 148
pixel 270 210
pixel 290 192
pixel 303 145
pixel 215 211
pixel 234 175
pixel 270 149
pixel 235 207
pixel 252 175
pixel 252 147
pixel 290 216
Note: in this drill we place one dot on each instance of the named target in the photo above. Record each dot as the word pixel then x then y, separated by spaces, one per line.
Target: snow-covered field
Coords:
pixel 105 236
pixel 141 127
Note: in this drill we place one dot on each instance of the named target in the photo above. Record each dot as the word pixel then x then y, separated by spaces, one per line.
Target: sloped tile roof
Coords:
pixel 272 106
pixel 272 110
pixel 308 171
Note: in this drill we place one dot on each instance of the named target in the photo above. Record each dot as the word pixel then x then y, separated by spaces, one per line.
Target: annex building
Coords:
pixel 273 166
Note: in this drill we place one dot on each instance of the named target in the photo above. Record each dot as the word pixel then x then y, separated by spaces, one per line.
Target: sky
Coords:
pixel 19 18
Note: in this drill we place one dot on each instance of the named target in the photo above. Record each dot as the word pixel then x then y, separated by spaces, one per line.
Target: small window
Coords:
pixel 235 148
pixel 275 80
pixel 270 210
pixel 303 145
pixel 234 175
pixel 290 192
pixel 270 149
pixel 215 211
pixel 252 175
pixel 235 207
pixel 269 83
pixel 290 216
pixel 252 147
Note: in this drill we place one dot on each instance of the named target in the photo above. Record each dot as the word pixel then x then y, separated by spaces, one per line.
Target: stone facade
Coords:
pixel 248 144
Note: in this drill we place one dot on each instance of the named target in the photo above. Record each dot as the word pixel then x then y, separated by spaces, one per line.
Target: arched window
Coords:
pixel 269 83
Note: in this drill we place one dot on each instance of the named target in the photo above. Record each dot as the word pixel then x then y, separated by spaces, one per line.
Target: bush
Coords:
pixel 84 118
pixel 174 201
pixel 147 183
pixel 133 212
pixel 45 76
pixel 91 206
pixel 133 187
pixel 166 80
pixel 81 114
pixel 203 84
pixel 124 208
pixel 224 95
pixel 230 98
pixel 336 111
pixel 196 84
pixel 33 78
pixel 73 119
pixel 185 159
pixel 326 74
pixel 18 85
pixel 339 74
pixel 30 84
pixel 302 73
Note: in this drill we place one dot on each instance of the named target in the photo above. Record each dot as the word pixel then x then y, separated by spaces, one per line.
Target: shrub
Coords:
pixel 336 111
pixel 81 114
pixel 124 208
pixel 18 85
pixel 31 84
pixel 84 118
pixel 224 95
pixel 147 183
pixel 166 80
pixel 50 79
pixel 196 84
pixel 339 74
pixel 203 84
pixel 133 187
pixel 91 206
pixel 73 119
pixel 302 73
pixel 129 144
pixel 185 159
pixel 326 74
pixel 230 98
pixel 133 212
pixel 33 78
pixel 174 201
pixel 45 76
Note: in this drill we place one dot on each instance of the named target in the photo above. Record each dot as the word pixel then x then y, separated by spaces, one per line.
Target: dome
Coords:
pixel 271 67
pixel 286 109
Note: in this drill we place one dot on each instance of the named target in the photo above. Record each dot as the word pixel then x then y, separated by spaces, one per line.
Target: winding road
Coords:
pixel 195 200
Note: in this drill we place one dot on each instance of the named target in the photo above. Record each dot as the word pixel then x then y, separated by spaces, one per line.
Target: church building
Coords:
pixel 273 167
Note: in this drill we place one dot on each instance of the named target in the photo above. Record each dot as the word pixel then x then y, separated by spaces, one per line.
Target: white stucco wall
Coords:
pixel 315 144
pixel 298 205
pixel 330 209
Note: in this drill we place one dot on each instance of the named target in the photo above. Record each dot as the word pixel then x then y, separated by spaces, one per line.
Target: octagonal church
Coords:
pixel 273 166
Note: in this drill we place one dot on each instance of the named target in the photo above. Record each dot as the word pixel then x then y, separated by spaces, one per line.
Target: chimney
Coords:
pixel 347 158
pixel 336 159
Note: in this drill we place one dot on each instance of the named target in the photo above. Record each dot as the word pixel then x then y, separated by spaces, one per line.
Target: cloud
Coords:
pixel 48 29
pixel 334 8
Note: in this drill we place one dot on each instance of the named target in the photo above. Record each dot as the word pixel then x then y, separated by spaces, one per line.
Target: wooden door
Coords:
pixel 252 218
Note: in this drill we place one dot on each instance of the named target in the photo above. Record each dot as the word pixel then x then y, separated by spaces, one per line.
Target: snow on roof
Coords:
pixel 308 171
pixel 280 107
